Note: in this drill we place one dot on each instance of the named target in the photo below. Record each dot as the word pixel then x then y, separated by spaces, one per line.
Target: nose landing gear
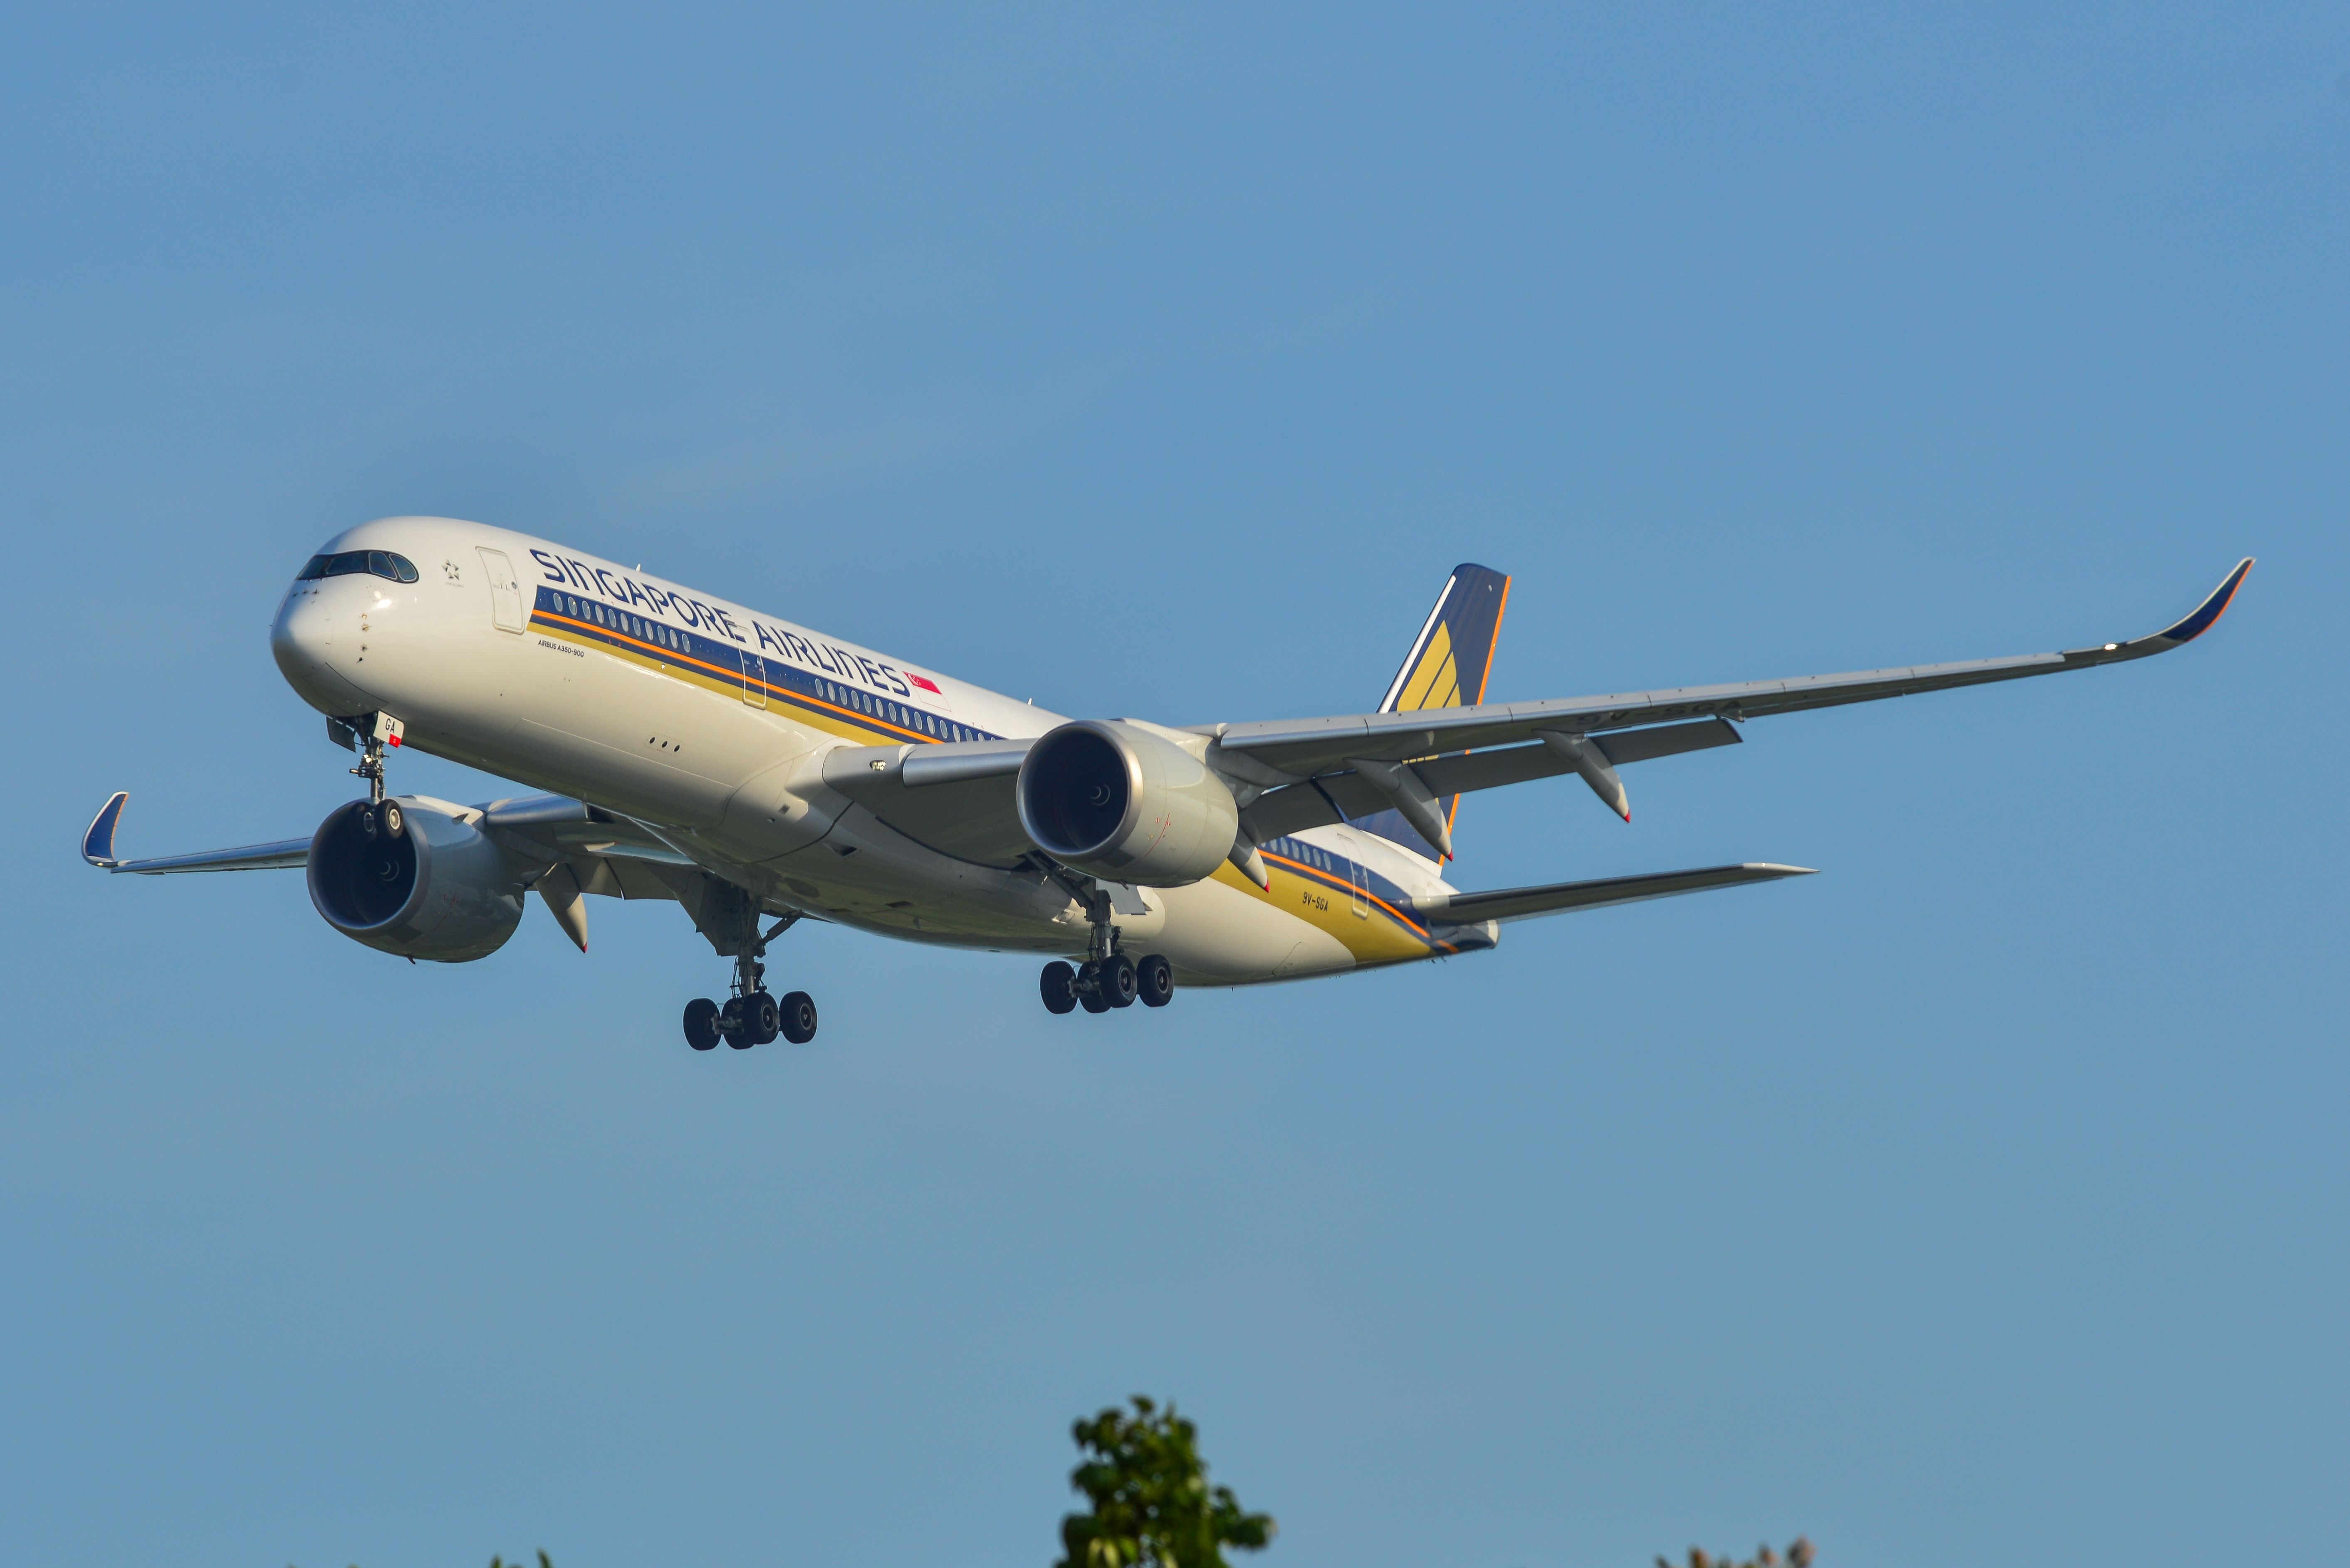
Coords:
pixel 368 734
pixel 752 1017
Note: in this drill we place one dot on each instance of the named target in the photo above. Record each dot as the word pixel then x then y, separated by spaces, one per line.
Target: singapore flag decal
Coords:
pixel 927 685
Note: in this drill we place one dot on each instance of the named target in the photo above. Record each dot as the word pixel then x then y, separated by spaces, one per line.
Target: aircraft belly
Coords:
pixel 1219 934
pixel 1227 931
pixel 865 873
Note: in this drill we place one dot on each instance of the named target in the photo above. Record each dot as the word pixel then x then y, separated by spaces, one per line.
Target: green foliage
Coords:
pixel 1152 1505
pixel 1799 1555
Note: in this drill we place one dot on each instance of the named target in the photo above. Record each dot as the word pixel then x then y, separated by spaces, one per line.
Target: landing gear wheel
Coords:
pixel 1089 991
pixel 1156 977
pixel 1118 982
pixel 702 1024
pixel 392 819
pixel 1059 986
pixel 798 1017
pixel 762 1018
pixel 734 1026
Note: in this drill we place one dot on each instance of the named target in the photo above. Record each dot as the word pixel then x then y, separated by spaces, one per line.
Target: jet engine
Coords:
pixel 407 879
pixel 1118 802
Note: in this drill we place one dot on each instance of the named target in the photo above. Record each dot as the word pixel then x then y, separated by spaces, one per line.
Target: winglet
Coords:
pixel 97 844
pixel 2210 609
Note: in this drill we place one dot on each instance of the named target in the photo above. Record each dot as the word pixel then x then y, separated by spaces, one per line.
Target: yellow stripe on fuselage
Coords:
pixel 1378 933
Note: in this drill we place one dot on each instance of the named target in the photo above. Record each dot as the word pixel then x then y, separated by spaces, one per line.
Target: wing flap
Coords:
pixel 1342 797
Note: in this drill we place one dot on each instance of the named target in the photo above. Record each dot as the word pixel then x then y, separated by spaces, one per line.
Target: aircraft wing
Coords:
pixel 1291 774
pixel 1304 773
pixel 607 854
pixel 98 849
pixel 559 848
pixel 1305 748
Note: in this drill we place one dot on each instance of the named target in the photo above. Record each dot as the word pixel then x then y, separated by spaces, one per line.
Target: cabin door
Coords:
pixel 505 592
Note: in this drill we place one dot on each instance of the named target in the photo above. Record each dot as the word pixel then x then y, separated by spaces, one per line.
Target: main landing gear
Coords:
pixel 752 1017
pixel 1098 986
pixel 1108 977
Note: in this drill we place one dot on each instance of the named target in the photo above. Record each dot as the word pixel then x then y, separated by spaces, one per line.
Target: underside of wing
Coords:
pixel 98 849
pixel 1523 903
pixel 957 799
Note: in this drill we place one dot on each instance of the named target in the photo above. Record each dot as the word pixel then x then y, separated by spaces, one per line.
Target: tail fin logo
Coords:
pixel 1453 654
pixel 1447 668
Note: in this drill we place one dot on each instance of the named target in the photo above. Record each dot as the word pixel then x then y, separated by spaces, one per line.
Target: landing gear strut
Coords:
pixel 368 734
pixel 752 1017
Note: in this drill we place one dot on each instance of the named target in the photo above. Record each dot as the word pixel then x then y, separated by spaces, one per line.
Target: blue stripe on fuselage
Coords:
pixel 625 631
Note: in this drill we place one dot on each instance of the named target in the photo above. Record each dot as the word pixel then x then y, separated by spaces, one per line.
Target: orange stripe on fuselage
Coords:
pixel 1316 873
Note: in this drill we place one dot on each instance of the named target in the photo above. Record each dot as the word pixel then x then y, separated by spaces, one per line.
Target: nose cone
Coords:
pixel 311 623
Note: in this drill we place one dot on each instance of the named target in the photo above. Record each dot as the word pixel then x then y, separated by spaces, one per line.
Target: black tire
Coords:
pixel 1059 985
pixel 394 819
pixel 1155 978
pixel 1119 982
pixel 763 1017
pixel 799 1017
pixel 702 1024
pixel 1089 991
pixel 731 1024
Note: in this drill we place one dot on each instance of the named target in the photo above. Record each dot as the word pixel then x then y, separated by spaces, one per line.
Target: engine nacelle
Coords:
pixel 435 889
pixel 1117 802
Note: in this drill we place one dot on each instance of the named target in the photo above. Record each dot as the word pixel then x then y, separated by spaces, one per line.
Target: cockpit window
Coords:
pixel 381 563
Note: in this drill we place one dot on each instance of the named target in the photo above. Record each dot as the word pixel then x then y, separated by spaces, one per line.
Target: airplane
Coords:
pixel 754 770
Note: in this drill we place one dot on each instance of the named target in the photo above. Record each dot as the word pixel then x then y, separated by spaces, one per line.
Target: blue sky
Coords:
pixel 1980 1197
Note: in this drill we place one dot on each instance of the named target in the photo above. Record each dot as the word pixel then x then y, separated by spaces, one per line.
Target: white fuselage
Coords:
pixel 710 721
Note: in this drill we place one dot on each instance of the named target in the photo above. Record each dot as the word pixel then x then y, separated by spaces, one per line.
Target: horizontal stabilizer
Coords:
pixel 1521 903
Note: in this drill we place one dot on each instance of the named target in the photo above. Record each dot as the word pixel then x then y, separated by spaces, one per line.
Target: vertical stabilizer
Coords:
pixel 1447 668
